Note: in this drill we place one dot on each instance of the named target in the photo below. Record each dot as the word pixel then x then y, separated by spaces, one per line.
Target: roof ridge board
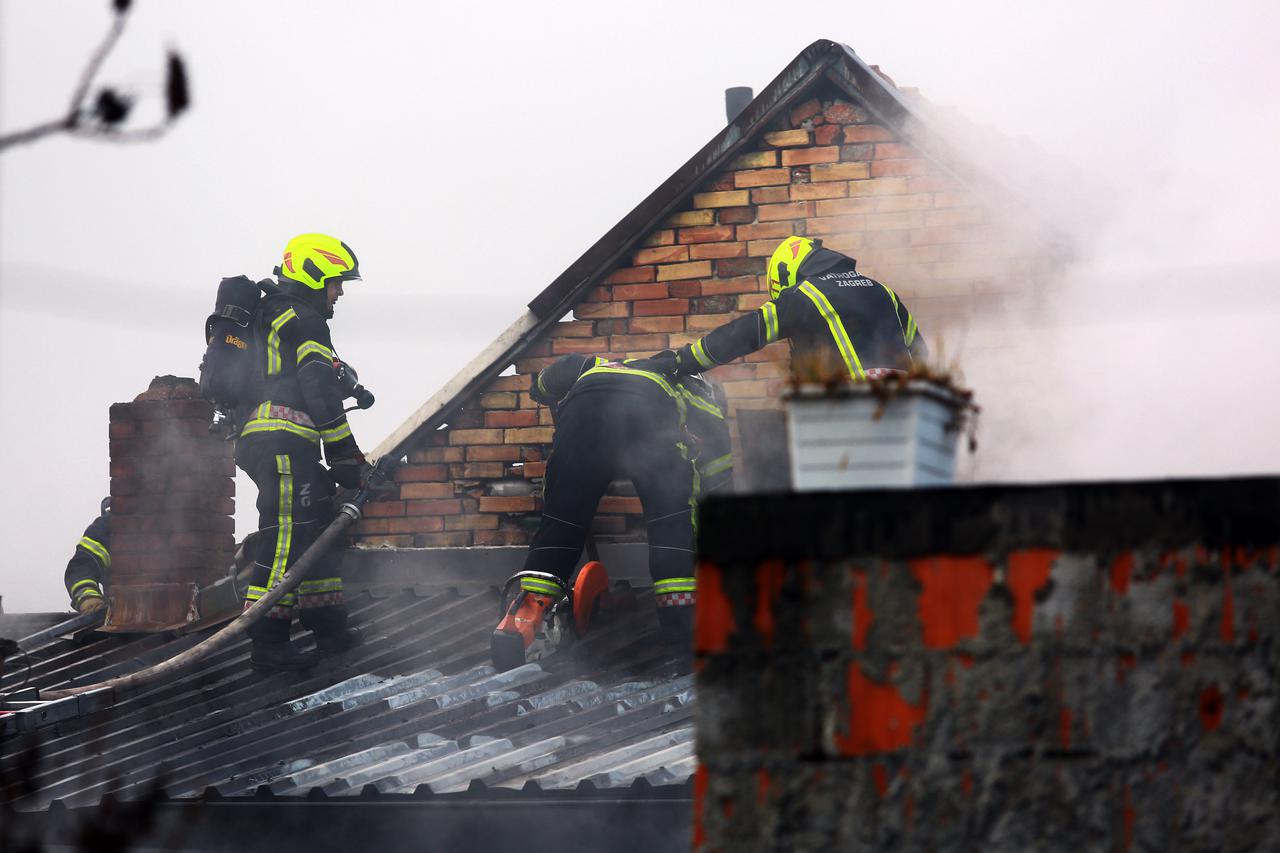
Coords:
pixel 552 302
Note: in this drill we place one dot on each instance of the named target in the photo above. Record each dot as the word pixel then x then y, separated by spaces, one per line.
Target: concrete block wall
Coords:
pixel 172 503
pixel 1085 667
pixel 824 169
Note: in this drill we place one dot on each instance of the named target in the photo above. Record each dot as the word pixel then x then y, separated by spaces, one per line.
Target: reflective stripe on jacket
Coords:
pixel 87 570
pixel 838 315
pixel 300 393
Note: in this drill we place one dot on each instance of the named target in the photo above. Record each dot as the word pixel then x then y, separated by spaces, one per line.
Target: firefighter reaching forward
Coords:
pixel 615 421
pixel 838 320
pixel 297 408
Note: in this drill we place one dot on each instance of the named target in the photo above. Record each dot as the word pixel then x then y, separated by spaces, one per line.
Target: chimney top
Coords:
pixel 736 99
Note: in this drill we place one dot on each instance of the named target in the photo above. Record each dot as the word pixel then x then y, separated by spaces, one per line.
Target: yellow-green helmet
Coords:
pixel 786 261
pixel 314 260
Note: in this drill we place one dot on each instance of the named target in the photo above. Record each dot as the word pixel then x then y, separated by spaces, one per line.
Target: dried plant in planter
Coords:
pixel 822 374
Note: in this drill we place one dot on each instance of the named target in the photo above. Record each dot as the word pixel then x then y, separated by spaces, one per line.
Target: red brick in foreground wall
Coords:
pixel 823 170
pixel 1083 667
pixel 172 501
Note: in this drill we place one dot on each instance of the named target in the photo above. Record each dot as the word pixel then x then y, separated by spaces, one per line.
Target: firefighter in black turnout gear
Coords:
pixel 838 320
pixel 616 421
pixel 86 574
pixel 297 409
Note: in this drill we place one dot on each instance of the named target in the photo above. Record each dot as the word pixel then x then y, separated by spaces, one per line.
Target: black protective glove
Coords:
pixel 662 362
pixel 350 472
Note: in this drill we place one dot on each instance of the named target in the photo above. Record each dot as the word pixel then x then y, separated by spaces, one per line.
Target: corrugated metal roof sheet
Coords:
pixel 417 705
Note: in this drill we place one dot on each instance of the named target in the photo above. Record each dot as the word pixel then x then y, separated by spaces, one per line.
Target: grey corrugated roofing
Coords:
pixel 416 708
pixel 15 626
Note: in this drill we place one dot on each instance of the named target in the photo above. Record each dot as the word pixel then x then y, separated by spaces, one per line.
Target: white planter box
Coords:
pixel 846 438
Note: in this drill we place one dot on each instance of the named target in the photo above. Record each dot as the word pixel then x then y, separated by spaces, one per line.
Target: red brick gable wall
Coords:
pixel 826 170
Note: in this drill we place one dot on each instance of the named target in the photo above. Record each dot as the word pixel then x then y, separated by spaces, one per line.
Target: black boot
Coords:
pixel 676 624
pixel 329 624
pixel 337 642
pixel 275 656
pixel 273 652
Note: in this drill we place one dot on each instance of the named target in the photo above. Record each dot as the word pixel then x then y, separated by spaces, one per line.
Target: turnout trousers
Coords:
pixel 295 505
pixel 607 434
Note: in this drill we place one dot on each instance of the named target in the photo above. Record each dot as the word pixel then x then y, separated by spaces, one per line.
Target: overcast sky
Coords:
pixel 470 152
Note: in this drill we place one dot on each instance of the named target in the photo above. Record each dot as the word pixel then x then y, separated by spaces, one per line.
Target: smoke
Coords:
pixel 1149 351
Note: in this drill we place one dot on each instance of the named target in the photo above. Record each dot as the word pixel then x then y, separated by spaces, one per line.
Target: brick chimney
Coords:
pixel 987 668
pixel 172 501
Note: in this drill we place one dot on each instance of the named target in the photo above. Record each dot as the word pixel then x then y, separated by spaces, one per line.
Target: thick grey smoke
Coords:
pixel 1154 355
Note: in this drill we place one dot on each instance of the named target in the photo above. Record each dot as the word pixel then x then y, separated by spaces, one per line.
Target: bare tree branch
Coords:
pixel 31 134
pixel 95 63
pixel 100 117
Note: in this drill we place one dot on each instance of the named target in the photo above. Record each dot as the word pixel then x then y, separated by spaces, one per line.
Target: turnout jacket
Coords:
pixel 86 572
pixel 298 391
pixel 698 405
pixel 834 314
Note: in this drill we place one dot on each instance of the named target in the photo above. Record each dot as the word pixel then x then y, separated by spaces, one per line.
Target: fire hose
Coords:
pixel 349 513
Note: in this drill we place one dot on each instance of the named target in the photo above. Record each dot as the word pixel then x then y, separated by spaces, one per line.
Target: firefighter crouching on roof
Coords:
pixel 86 575
pixel 299 407
pixel 832 314
pixel 614 421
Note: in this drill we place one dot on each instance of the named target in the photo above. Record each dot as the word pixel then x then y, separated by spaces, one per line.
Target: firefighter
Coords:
pixel 838 320
pixel 616 421
pixel 86 574
pixel 298 408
